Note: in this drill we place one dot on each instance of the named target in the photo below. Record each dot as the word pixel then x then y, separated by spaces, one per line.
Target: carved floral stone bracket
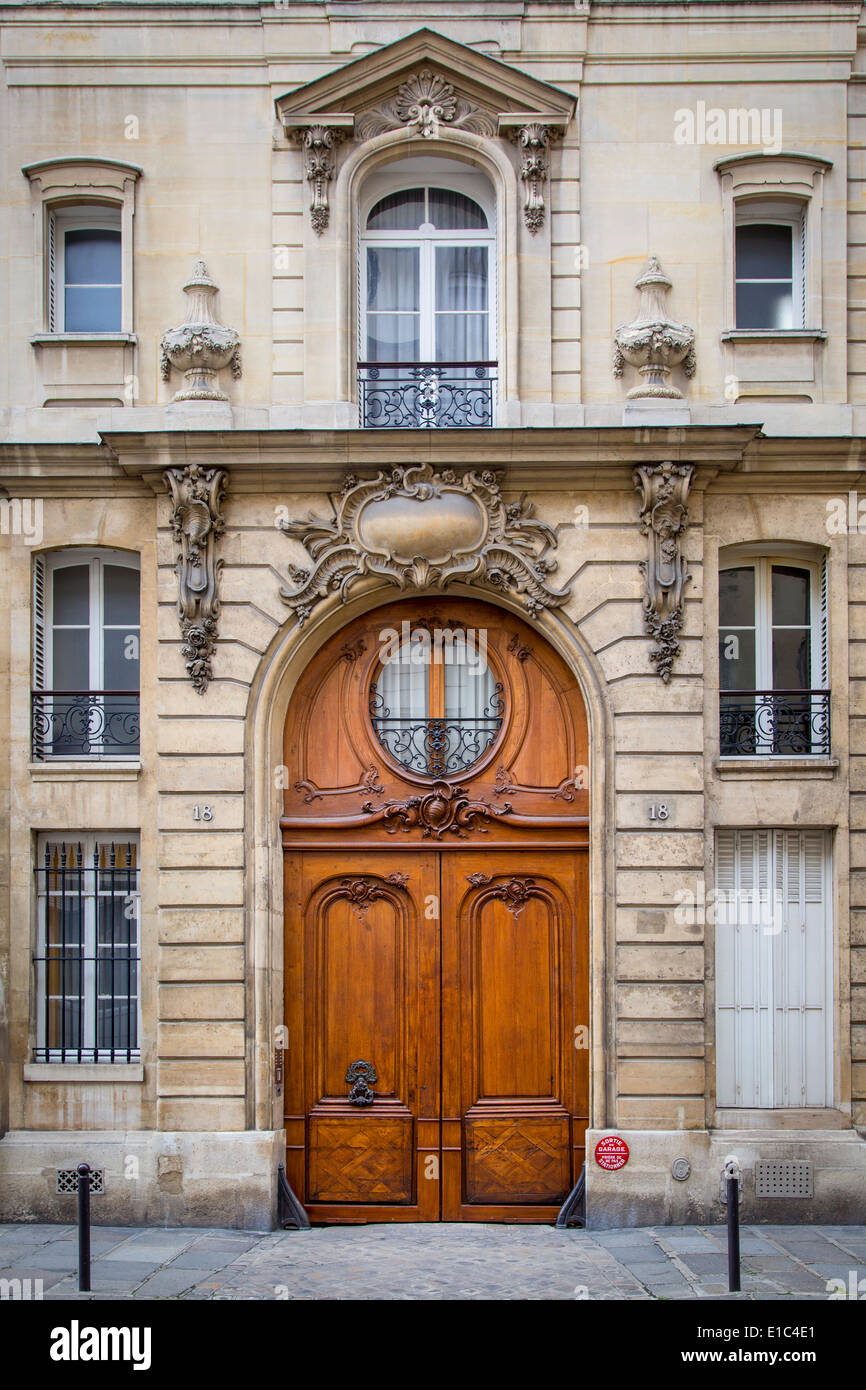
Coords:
pixel 664 518
pixel 533 139
pixel 196 494
pixel 420 529
pixel 319 141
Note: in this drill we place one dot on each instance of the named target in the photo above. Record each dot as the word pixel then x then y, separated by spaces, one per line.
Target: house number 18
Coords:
pixel 658 810
pixel 202 812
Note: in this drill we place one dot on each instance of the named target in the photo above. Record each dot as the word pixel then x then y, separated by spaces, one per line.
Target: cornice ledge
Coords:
pixel 43 166
pixel 733 161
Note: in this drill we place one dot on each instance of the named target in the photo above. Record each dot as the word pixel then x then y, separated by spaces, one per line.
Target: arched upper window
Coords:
pixel 427 296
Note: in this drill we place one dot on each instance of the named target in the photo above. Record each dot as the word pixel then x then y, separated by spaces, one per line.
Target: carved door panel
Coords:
pixel 462 790
pixel 362 999
pixel 514 1060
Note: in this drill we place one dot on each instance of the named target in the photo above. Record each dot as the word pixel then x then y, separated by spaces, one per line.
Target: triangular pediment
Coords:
pixel 361 89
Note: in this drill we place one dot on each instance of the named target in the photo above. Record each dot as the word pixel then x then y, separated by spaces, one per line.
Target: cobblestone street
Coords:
pixel 420 1262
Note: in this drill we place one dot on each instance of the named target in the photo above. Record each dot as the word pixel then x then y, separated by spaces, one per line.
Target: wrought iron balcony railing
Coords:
pixel 437 747
pixel 426 395
pixel 84 723
pixel 783 723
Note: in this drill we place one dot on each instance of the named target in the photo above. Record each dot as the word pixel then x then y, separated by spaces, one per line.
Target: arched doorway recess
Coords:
pixel 435 834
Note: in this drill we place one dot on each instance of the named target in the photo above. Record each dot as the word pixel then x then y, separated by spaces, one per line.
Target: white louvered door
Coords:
pixel 773 969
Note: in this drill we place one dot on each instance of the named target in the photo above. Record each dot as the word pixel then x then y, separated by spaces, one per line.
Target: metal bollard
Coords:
pixel 732 1191
pixel 84 1228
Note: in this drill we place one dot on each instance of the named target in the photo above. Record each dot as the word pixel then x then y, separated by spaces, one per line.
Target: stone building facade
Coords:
pixel 250 250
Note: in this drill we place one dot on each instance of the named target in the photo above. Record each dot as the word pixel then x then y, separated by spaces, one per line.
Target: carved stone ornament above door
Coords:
pixel 423 530
pixel 429 86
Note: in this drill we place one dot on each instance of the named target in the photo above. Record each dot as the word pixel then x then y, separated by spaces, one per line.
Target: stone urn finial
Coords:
pixel 200 346
pixel 653 341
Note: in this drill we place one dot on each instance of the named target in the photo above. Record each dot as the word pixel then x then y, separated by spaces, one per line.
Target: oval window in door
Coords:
pixel 435 704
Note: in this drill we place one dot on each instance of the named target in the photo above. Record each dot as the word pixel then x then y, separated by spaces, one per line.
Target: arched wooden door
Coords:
pixel 435 830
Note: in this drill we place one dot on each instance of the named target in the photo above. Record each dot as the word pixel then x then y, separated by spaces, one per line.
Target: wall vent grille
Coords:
pixel 67 1181
pixel 790 1177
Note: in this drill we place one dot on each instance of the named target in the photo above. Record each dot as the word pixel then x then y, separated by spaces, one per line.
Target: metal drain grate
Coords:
pixel 789 1177
pixel 67 1181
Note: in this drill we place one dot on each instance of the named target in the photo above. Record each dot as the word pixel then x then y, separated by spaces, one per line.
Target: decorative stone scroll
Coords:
pixel 200 346
pixel 196 494
pixel 319 144
pixel 653 341
pixel 422 102
pixel 424 530
pixel 664 517
pixel 533 139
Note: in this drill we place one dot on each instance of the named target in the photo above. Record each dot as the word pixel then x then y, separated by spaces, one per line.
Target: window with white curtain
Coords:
pixel 437 711
pixel 426 278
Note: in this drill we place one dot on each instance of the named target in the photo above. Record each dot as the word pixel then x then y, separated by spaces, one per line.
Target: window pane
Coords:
pixel 453 211
pixel 93 257
pixel 403 682
pixel 764 252
pixel 461 277
pixel 72 594
pixel 393 278
pixel 92 310
pixel 393 338
pixel 461 337
pixel 792 658
pixel 71 659
pixel 737 597
pixel 737 660
pixel 121 659
pixel 120 585
pixel 791 606
pixel 764 306
pixel 399 212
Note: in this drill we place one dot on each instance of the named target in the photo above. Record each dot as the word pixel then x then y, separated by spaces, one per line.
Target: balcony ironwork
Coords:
pixel 84 723
pixel 767 723
pixel 437 747
pixel 426 395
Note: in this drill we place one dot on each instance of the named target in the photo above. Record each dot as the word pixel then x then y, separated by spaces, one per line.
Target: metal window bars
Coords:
pixel 87 964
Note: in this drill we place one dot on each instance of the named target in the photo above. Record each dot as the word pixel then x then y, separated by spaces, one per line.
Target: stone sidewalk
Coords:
pixel 420 1262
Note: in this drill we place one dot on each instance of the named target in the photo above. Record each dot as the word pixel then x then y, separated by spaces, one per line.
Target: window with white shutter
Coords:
pixel 773 969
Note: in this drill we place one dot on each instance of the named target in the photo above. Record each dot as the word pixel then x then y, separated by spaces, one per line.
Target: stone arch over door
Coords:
pixel 516 830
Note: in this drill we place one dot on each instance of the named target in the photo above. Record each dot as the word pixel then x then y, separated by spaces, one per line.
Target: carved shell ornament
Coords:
pixel 422 102
pixel 419 529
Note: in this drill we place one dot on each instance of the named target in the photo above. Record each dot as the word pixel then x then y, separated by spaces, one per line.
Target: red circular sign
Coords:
pixel 611 1153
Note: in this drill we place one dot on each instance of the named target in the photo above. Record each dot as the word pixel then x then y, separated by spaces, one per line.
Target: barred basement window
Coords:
pixel 86 967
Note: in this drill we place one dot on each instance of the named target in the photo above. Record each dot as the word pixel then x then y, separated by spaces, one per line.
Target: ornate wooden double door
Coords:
pixel 436 962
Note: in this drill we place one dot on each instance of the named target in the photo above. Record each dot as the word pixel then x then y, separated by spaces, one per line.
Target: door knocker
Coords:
pixel 358 1075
